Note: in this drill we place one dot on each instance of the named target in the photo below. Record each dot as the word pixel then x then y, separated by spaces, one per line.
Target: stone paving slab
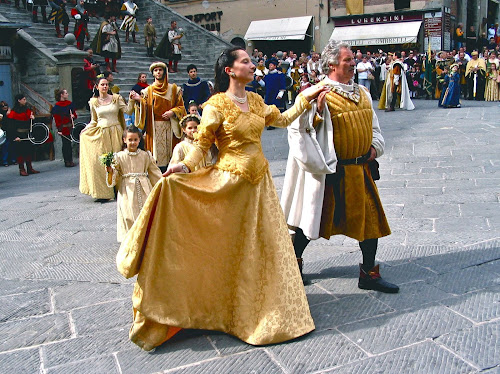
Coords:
pixel 22 361
pixel 23 305
pixel 478 344
pixel 338 312
pixel 95 365
pixel 425 357
pixel 80 272
pixel 180 351
pixel 85 348
pixel 317 352
pixel 82 294
pixel 227 345
pixel 412 296
pixel 249 362
pixel 16 286
pixel 103 317
pixel 466 280
pixel 34 331
pixel 479 306
pixel 383 333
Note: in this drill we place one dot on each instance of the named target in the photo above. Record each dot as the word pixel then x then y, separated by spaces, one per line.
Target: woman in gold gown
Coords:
pixel 211 248
pixel 103 134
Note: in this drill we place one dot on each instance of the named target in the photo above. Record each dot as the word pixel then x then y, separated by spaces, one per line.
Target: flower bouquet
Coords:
pixel 107 159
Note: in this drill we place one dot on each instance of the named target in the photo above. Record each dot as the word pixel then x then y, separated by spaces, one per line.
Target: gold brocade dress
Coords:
pixel 104 135
pixel 211 248
pixel 134 174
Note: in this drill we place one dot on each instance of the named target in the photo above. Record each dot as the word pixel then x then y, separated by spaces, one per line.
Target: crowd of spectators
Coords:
pixel 372 67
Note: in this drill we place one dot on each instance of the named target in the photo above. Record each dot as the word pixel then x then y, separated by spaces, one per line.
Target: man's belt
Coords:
pixel 356 161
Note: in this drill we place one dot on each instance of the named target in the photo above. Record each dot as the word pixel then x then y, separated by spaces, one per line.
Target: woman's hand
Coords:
pixel 134 96
pixel 321 102
pixel 312 92
pixel 177 168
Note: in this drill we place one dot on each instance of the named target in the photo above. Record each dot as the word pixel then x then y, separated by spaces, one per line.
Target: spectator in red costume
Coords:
pixel 21 117
pixel 63 112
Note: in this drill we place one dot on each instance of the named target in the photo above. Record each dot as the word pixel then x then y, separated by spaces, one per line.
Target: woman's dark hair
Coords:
pixel 226 59
pixel 58 92
pixel 139 76
pixel 17 107
pixel 95 91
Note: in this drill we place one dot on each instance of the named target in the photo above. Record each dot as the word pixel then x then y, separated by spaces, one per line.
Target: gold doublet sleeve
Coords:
pixel 205 137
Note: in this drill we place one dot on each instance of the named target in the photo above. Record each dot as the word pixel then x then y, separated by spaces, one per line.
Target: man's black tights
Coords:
pixel 368 248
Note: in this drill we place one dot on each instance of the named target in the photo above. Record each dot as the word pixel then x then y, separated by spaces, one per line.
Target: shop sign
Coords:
pixel 433 30
pixel 375 19
pixel 210 21
pixel 381 41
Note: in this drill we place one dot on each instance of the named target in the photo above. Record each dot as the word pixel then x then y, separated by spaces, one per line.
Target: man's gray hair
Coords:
pixel 331 53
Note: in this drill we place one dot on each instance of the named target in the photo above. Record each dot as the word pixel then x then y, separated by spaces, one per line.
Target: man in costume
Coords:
pixel 58 16
pixel 332 191
pixel 43 5
pixel 91 69
pixel 107 43
pixel 81 24
pixel 195 89
pixel 129 23
pixel 396 87
pixel 475 73
pixel 149 36
pixel 170 47
pixel 158 112
pixel 462 64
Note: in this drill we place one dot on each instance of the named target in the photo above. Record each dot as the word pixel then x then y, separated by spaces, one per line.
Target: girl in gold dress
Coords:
pixel 103 134
pixel 211 247
pixel 134 173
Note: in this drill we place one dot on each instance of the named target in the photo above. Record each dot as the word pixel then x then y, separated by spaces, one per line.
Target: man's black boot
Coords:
pixel 371 280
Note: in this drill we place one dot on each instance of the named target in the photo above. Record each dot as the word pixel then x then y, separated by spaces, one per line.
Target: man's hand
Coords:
pixel 373 154
pixel 168 114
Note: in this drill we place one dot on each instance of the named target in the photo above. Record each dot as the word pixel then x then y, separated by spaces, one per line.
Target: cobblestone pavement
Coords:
pixel 64 308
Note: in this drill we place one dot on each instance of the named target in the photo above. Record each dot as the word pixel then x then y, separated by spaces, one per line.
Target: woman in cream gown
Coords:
pixel 103 134
pixel 211 248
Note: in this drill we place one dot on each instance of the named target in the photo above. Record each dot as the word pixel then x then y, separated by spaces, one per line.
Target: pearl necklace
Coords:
pixel 241 100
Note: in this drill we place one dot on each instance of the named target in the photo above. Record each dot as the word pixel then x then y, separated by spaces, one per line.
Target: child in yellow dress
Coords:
pixel 189 125
pixel 134 172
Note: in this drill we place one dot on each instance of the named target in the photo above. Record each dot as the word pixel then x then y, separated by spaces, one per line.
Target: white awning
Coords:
pixel 279 29
pixel 378 34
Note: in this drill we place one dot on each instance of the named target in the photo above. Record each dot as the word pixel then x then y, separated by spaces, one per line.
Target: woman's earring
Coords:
pixel 232 74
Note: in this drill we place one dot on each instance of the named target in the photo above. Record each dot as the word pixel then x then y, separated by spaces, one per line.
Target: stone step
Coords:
pixel 199 46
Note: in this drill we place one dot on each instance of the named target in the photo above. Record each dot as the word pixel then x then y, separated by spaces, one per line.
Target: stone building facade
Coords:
pixel 231 19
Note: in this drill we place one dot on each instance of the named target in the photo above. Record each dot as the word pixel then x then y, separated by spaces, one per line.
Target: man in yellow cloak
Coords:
pixel 159 108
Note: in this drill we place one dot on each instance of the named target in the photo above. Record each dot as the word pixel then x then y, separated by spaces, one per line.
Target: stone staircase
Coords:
pixel 200 47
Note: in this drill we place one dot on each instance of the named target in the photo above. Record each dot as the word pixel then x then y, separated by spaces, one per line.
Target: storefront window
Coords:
pixel 401 4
